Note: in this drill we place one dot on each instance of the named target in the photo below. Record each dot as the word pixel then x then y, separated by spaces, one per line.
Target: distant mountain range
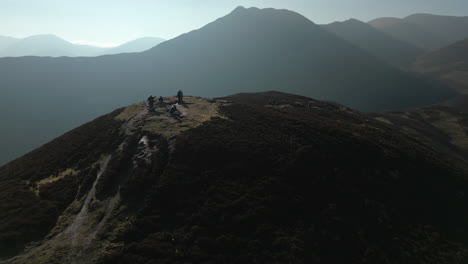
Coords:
pixel 248 50
pixel 380 44
pixel 449 64
pixel 429 32
pixel 53 46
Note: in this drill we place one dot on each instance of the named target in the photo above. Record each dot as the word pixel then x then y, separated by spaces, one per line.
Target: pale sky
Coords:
pixel 112 22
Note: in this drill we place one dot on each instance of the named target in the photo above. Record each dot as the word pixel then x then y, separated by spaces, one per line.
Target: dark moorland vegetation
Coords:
pixel 299 185
pixel 25 216
pixel 280 179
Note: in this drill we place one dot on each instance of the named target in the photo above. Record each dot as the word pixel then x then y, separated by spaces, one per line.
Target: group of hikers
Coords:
pixel 151 99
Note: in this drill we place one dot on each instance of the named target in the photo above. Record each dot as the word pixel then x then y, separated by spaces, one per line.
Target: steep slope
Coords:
pixel 460 103
pixel 29 209
pixel 252 178
pixel 137 45
pixel 49 46
pixel 426 31
pixel 444 126
pixel 450 27
pixel 248 50
pixel 449 64
pixel 383 46
pixel 6 42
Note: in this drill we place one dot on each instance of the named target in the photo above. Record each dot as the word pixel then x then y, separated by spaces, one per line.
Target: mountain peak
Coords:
pixel 351 21
pixel 266 16
pixel 354 21
pixel 45 39
pixel 44 36
pixel 241 9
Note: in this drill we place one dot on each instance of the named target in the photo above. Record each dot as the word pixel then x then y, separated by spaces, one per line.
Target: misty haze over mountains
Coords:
pixel 53 46
pixel 379 44
pixel 248 50
pixel 429 32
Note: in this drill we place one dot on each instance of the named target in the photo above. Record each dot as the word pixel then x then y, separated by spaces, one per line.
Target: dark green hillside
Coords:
pixel 299 185
pixel 250 178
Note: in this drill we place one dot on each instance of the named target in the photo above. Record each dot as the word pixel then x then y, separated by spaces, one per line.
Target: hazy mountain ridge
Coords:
pixel 53 46
pixel 427 31
pixel 382 45
pixel 6 42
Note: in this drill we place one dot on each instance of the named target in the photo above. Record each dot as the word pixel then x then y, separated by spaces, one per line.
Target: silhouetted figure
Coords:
pixel 151 103
pixel 180 96
pixel 161 100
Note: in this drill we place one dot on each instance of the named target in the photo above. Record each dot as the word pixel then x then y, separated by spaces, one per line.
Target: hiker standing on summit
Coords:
pixel 180 96
pixel 151 103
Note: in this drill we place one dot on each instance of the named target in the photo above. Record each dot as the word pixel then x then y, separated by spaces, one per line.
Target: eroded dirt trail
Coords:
pixel 76 233
pixel 69 245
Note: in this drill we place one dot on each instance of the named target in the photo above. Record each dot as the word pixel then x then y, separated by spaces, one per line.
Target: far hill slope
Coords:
pixel 382 45
pixel 443 126
pixel 449 64
pixel 6 42
pixel 53 46
pixel 427 31
pixel 250 178
pixel 48 46
pixel 460 103
pixel 247 50
pixel 138 45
